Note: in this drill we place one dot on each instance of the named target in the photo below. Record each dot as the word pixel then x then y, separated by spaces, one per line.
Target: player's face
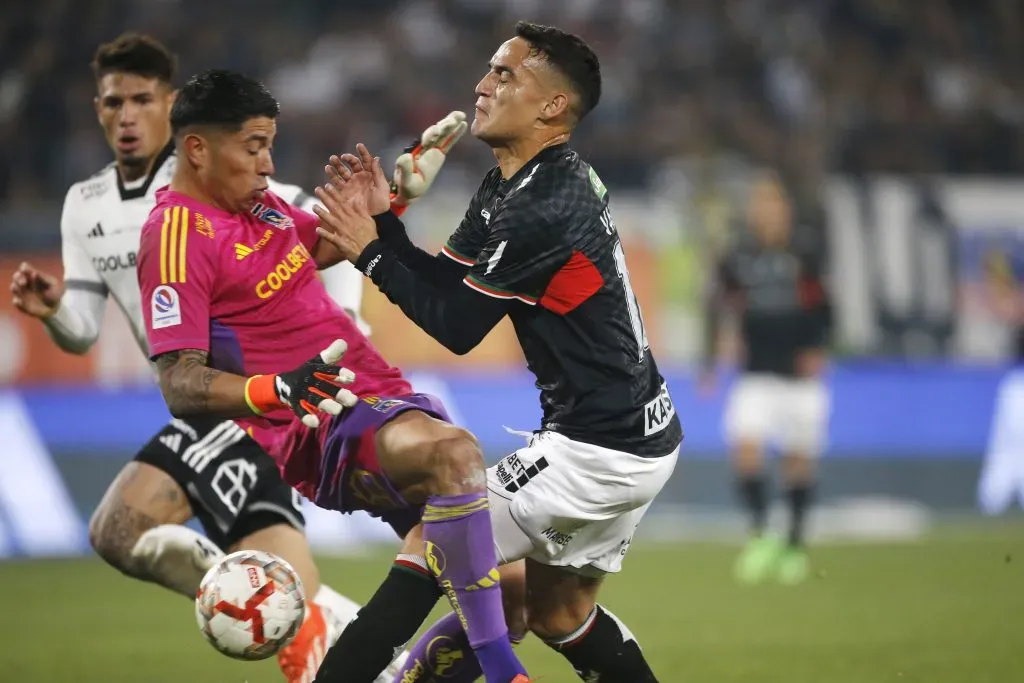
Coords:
pixel 239 163
pixel 770 213
pixel 134 112
pixel 512 96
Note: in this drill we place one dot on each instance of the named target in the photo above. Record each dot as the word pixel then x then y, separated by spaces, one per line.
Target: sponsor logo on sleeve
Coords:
pixel 595 182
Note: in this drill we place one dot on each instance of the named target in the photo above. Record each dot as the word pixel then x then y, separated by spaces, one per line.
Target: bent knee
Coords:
pixel 457 463
pixel 114 529
pixel 555 622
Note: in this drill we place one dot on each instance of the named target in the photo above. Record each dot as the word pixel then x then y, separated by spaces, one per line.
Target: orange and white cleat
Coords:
pixel 301 658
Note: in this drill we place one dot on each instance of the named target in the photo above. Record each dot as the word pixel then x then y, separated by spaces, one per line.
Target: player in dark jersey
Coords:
pixel 537 244
pixel 780 399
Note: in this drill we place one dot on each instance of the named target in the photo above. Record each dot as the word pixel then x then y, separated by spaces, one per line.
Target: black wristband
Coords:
pixel 371 257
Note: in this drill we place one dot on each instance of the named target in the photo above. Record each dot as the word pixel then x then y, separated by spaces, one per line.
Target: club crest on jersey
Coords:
pixel 95 189
pixel 166 307
pixel 272 216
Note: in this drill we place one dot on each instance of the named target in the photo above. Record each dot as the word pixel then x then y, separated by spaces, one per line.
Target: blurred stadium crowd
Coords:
pixel 709 86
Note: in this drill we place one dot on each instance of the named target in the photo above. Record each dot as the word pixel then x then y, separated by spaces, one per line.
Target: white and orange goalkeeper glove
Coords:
pixel 416 169
pixel 316 386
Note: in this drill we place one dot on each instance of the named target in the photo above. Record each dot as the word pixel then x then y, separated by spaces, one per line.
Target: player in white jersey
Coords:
pixel 204 468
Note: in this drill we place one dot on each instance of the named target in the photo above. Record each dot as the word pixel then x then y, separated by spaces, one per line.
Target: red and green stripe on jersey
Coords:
pixel 575 282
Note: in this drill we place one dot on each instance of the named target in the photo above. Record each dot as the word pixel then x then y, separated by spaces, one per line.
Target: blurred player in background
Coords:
pixel 537 244
pixel 201 467
pixel 780 399
pixel 1001 483
pixel 220 328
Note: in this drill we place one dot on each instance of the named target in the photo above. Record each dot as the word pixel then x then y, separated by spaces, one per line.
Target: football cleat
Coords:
pixel 301 658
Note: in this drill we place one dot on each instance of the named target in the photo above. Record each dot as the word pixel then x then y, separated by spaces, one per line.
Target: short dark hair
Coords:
pixel 222 98
pixel 571 55
pixel 135 53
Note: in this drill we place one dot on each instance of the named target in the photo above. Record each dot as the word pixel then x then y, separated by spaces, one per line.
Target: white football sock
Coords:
pixel 337 607
pixel 175 557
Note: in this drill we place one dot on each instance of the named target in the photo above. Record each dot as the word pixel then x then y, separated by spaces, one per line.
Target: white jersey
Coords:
pixel 100 229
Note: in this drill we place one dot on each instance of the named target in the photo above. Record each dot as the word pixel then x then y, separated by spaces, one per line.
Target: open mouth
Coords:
pixel 128 143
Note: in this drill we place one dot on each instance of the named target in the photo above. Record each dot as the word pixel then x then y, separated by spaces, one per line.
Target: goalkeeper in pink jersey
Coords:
pixel 228 278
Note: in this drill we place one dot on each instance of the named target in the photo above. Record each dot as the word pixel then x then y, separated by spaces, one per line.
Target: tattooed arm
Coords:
pixel 191 388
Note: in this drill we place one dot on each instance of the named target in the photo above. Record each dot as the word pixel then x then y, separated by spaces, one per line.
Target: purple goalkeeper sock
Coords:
pixel 460 553
pixel 443 652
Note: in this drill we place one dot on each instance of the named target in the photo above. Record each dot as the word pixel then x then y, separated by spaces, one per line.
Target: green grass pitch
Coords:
pixel 948 609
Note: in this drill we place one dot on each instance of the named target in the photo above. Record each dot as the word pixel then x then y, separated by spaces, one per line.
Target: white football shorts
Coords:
pixel 570 504
pixel 786 412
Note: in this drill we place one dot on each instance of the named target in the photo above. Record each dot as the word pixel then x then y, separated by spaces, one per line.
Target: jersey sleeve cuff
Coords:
pixel 374 259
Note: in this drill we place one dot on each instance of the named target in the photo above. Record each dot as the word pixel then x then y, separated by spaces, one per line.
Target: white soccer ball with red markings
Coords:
pixel 250 604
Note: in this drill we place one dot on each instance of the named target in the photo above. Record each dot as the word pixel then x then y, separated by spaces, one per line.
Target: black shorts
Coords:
pixel 234 487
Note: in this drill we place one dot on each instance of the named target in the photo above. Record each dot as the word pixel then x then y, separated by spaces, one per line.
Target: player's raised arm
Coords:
pixel 415 172
pixel 515 264
pixel 71 312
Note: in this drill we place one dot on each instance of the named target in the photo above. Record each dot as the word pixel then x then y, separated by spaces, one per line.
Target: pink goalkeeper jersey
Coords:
pixel 244 288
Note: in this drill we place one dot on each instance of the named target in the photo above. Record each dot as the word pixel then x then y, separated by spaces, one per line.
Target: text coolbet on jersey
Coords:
pixel 244 288
pixel 101 227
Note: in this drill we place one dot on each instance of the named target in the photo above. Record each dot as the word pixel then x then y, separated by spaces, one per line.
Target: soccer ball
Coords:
pixel 250 604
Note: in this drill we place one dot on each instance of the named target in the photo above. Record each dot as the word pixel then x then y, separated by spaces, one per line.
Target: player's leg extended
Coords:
pixel 443 651
pixel 433 463
pixel 748 423
pixel 803 440
pixel 136 529
pixel 553 502
pixel 271 520
pixel 327 613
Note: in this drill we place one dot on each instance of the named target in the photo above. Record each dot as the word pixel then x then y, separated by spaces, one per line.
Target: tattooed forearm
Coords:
pixel 191 388
pixel 186 381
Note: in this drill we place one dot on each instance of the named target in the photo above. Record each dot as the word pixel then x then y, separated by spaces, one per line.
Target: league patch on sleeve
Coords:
pixel 166 307
pixel 595 182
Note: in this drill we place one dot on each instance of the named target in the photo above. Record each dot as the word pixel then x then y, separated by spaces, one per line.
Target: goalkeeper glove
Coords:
pixel 316 386
pixel 416 169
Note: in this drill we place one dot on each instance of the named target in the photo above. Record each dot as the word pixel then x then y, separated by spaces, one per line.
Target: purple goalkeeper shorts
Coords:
pixel 351 476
